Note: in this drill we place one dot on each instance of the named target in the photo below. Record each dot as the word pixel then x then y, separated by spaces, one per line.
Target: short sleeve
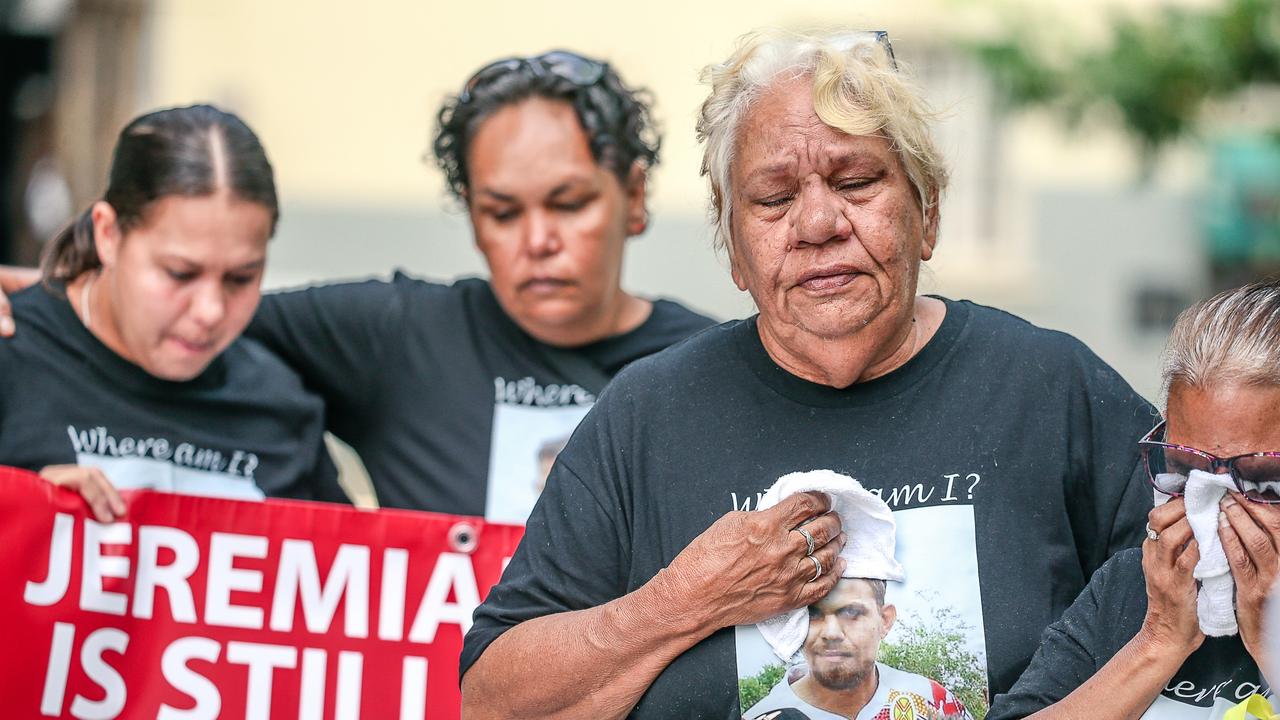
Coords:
pixel 1109 498
pixel 1102 619
pixel 569 559
pixel 575 550
pixel 335 336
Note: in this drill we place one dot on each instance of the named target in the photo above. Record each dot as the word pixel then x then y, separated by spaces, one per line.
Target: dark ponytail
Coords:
pixel 188 151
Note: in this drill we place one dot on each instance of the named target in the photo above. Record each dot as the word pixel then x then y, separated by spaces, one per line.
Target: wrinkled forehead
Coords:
pixel 1224 418
pixel 781 133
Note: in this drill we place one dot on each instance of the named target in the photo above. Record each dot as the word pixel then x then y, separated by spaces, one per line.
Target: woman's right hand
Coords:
pixel 92 485
pixel 749 566
pixel 1168 564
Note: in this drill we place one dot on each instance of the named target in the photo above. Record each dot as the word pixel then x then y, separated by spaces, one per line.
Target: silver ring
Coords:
pixel 817 568
pixel 1152 535
pixel 808 540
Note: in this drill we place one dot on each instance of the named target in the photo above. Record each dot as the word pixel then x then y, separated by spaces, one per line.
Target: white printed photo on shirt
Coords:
pixel 526 441
pixel 921 647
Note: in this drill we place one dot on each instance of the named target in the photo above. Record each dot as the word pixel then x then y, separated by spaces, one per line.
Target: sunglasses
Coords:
pixel 1256 475
pixel 881 38
pixel 582 72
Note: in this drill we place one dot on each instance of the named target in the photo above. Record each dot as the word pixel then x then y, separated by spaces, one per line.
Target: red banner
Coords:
pixel 194 607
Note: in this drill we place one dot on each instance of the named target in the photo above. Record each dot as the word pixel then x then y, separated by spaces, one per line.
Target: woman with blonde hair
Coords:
pixel 1007 451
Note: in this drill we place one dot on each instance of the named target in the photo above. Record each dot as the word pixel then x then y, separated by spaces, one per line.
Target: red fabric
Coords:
pixel 32 667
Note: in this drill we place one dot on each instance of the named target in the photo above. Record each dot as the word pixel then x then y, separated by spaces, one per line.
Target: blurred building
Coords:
pixel 68 81
pixel 1051 225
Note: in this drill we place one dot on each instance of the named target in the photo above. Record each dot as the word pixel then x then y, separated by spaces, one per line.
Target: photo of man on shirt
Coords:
pixel 840 677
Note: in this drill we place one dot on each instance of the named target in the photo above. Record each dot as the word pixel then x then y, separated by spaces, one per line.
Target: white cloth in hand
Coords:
pixel 1215 604
pixel 870 537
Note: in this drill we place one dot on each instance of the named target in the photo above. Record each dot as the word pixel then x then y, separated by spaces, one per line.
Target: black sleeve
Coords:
pixel 334 336
pixel 574 550
pixel 1109 496
pixel 1102 619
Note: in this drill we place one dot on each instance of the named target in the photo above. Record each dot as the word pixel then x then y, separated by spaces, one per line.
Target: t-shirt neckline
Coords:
pixel 109 362
pixel 746 336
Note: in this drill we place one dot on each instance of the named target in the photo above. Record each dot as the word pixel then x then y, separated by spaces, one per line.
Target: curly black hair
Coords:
pixel 616 119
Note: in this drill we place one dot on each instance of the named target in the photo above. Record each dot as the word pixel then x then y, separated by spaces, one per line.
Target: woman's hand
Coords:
pixel 749 566
pixel 92 485
pixel 1168 563
pixel 1250 535
pixel 13 279
pixel 6 316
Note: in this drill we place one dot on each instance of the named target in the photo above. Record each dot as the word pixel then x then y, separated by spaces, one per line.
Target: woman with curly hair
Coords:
pixel 447 391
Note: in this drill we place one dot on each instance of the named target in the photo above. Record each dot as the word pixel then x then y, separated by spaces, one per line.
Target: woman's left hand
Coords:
pixel 1251 540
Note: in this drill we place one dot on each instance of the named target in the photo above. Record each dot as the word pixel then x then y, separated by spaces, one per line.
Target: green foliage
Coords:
pixel 934 648
pixel 1155 74
pixel 753 689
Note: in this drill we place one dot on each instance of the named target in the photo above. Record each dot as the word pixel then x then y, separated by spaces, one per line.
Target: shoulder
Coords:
pixel 1123 570
pixel 677 318
pixel 404 282
pixel 687 360
pixel 1110 608
pixel 992 326
pixel 469 297
pixel 780 697
pixel 43 317
pixel 909 683
pixel 251 364
pixel 37 301
pixel 1021 349
pixel 374 289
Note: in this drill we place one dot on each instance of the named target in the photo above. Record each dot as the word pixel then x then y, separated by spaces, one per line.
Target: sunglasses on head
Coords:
pixel 1256 475
pixel 881 38
pixel 581 71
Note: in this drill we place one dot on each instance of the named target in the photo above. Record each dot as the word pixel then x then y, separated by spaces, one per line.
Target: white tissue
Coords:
pixel 1215 604
pixel 870 537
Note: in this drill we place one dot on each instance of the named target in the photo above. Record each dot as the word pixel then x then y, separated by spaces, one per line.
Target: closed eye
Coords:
pixel 858 183
pixel 774 202
pixel 502 215
pixel 572 205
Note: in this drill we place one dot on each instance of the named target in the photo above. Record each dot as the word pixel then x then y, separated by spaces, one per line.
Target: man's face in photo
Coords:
pixel 845 630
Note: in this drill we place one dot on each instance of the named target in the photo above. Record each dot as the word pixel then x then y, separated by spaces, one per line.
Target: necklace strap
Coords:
pixel 85 308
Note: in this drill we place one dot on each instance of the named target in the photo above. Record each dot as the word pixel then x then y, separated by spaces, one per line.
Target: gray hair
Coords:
pixel 1233 338
pixel 857 89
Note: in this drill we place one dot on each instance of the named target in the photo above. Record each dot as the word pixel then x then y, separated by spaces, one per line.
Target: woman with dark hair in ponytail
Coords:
pixel 129 370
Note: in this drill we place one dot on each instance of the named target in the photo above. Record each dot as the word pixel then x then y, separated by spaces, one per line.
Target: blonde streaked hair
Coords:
pixel 1233 338
pixel 857 89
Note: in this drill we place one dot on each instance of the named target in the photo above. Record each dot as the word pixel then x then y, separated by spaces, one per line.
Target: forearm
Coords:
pixel 593 663
pixel 1124 688
pixel 14 278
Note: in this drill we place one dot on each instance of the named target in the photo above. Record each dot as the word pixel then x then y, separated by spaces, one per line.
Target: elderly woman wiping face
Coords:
pixel 639 561
pixel 1192 641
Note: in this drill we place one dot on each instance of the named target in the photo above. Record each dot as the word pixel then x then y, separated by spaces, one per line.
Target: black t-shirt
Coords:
pixel 243 428
pixel 1106 616
pixel 451 406
pixel 1007 452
